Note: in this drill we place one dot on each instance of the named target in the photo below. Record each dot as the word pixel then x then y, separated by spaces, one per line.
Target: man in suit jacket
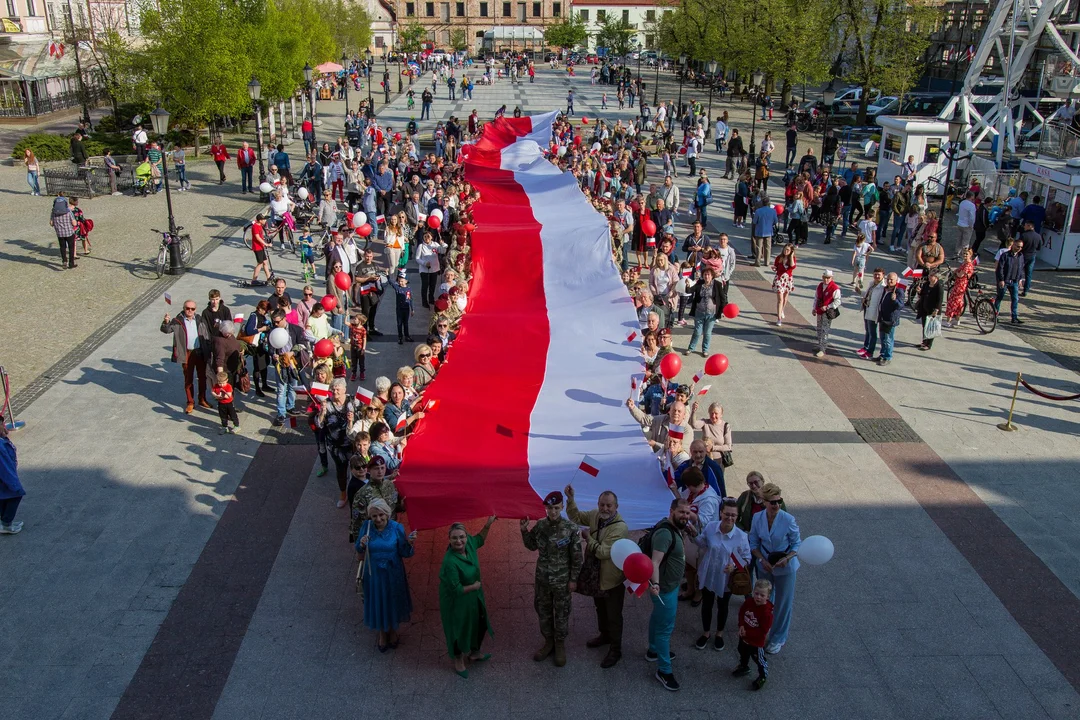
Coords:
pixel 191 346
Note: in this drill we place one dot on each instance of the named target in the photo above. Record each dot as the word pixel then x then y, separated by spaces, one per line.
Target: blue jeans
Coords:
pixel 704 212
pixel 846 220
pixel 1029 268
pixel 181 175
pixel 245 179
pixel 8 508
pixel 883 227
pixel 783 599
pixel 898 231
pixel 425 111
pixel 869 343
pixel 32 181
pixel 887 333
pixel 286 393
pixel 790 157
pixel 1014 291
pixel 703 325
pixel 661 625
pixel 626 256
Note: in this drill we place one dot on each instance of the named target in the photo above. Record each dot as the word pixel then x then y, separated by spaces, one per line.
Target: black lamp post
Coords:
pixel 712 74
pixel 957 125
pixel 682 76
pixel 386 79
pixel 311 99
pixel 345 79
pixel 656 83
pixel 755 80
pixel 828 96
pixel 400 69
pixel 160 120
pixel 255 91
pixel 370 102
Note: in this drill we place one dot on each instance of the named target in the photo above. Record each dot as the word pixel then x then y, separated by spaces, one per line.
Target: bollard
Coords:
pixel 1008 426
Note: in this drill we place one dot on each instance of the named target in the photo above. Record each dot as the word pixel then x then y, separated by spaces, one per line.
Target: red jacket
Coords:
pixel 245 158
pixel 755 621
pixel 219 153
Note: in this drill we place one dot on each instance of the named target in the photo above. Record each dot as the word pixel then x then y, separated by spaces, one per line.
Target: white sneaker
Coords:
pixel 13 529
pixel 773 649
pixel 819 353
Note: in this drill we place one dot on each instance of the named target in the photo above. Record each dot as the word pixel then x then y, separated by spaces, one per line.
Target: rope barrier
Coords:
pixel 1048 396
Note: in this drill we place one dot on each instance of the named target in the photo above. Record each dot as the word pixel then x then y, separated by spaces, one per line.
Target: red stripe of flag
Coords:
pixel 631 336
pixel 589 466
pixel 401 422
pixel 364 396
pixel 319 390
pixel 675 431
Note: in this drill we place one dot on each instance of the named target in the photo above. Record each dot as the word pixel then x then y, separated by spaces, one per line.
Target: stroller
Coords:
pixel 144 183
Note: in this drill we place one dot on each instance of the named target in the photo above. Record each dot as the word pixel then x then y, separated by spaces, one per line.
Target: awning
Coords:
pixel 514 32
pixel 26 57
pixel 329 67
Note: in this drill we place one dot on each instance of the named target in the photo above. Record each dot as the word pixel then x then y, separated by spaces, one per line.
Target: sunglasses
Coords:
pixel 307 294
pixel 777 501
pixel 424 355
pixel 190 308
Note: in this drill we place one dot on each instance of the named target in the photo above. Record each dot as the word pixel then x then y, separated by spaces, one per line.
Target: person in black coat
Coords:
pixel 929 306
pixel 892 302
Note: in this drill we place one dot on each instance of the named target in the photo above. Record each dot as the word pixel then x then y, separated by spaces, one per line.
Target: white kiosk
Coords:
pixel 923 138
pixel 1057 182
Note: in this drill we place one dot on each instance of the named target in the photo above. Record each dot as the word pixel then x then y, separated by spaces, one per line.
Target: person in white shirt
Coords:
pixel 722 549
pixel 871 304
pixel 965 222
pixel 720 134
pixel 869 229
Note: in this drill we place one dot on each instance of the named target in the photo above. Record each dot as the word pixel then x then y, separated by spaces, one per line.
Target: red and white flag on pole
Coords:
pixel 650 241
pixel 368 288
pixel 364 395
pixel 589 466
pixel 909 273
pixel 697 378
pixel 168 299
pixel 431 405
pixel 676 431
pixel 402 421
pixel 319 390
pixel 687 272
pixel 705 390
pixel 238 318
pixel 380 219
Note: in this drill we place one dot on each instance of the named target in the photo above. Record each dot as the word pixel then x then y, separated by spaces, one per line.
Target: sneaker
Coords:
pixel 279 421
pixel 363 377
pixel 340 504
pixel 773 648
pixel 861 352
pixel 321 471
pixel 223 430
pixel 819 353
pixel 1017 321
pixel 653 657
pixel 236 429
pixel 758 684
pixel 741 670
pixel 882 362
pixel 13 529
pixel 667 680
pixel 295 412
pixel 718 642
pixel 702 642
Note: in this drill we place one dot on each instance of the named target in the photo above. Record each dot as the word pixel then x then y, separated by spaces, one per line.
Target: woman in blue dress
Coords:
pixel 387 602
pixel 774 543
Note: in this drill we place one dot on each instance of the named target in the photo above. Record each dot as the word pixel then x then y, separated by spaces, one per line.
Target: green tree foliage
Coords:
pixel 883 42
pixel 411 36
pixel 349 23
pixel 459 40
pixel 615 34
pixel 568 33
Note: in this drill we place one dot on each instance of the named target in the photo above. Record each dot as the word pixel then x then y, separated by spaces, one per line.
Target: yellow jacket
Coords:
pixel 599 544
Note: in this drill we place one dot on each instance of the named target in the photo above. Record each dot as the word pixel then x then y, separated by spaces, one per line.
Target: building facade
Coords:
pixel 641 16
pixel 467 21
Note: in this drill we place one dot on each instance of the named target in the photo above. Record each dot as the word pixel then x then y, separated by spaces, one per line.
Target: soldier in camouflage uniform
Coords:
pixel 557 568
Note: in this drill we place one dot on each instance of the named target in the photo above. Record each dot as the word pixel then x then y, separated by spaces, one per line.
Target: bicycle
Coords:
pixel 167 239
pixel 981 304
pixel 284 233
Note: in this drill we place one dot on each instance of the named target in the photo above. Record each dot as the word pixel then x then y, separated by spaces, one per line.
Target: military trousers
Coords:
pixel 552 604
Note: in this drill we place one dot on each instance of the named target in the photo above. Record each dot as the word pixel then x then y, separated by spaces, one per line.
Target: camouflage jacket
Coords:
pixel 559 544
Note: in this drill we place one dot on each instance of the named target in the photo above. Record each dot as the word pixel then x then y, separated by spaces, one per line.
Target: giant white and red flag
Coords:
pixel 541 360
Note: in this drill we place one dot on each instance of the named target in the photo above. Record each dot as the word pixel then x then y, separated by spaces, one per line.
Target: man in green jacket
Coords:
pixel 605 527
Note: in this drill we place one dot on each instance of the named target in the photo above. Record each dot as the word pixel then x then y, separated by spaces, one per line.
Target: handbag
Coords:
pixel 775 557
pixel 832 313
pixel 932 328
pixel 244 380
pixel 739 581
pixel 588 582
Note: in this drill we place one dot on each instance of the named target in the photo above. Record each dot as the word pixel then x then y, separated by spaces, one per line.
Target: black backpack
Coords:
pixel 645 543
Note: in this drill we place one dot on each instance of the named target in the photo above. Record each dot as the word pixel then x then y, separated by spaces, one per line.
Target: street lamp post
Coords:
pixel 308 72
pixel 255 91
pixel 401 69
pixel 160 120
pixel 957 125
pixel 385 79
pixel 755 79
pixel 656 83
pixel 682 76
pixel 709 120
pixel 345 80
pixel 370 102
pixel 828 97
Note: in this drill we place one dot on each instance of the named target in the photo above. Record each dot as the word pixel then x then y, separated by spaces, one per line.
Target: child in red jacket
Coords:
pixel 755 621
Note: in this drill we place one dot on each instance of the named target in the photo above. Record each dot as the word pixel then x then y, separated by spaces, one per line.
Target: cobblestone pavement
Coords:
pixel 166 571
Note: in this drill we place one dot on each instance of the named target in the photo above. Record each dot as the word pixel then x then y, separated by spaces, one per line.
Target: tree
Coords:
pixel 883 42
pixel 615 35
pixel 349 23
pixel 568 33
pixel 411 37
pixel 459 40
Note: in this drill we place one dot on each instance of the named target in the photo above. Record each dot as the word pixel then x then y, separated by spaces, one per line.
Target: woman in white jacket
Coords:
pixel 723 548
pixel 428 257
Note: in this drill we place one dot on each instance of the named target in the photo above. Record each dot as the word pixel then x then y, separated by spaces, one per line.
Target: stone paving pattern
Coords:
pixel 126 493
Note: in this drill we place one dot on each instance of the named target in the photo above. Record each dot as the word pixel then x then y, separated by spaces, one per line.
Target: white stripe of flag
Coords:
pixel 364 396
pixel 319 390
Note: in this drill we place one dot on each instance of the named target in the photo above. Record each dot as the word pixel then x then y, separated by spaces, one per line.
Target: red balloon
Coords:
pixel 433 222
pixel 469 227
pixel 637 568
pixel 364 230
pixel 343 281
pixel 670 366
pixel 324 348
pixel 731 311
pixel 441 304
pixel 329 302
pixel 716 364
pixel 584 121
pixel 779 209
pixel 648 227
pixel 397 137
pixel 577 139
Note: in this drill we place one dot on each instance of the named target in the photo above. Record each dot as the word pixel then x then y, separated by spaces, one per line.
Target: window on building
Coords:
pixel 584 15
pixel 444 11
pixel 380 41
pixel 445 37
pixel 459 10
pixel 650 42
pixel 626 16
pixel 521 12
pixel 31 11
pixel 601 16
pixel 11 11
pixel 483 9
pixel 536 9
pixel 410 9
pixel 650 16
pixel 556 9
pixel 429 9
pixel 506 9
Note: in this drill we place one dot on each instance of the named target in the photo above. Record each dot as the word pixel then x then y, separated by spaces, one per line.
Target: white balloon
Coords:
pixel 623 549
pixel 279 338
pixel 436 213
pixel 462 303
pixel 302 193
pixel 359 219
pixel 266 188
pixel 562 150
pixel 680 287
pixel 816 550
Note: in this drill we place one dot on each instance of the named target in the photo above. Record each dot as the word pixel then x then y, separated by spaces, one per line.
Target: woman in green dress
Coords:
pixel 461 600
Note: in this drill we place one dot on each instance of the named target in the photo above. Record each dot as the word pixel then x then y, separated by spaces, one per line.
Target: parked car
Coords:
pixel 592 59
